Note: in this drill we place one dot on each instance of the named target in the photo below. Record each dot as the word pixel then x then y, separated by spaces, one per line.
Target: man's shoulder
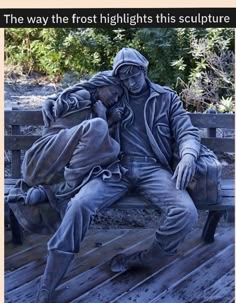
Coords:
pixel 161 89
pixel 169 89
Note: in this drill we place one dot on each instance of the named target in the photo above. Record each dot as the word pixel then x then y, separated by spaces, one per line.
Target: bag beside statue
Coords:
pixel 205 188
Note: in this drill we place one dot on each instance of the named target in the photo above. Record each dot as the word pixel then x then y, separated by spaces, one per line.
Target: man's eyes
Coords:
pixel 130 78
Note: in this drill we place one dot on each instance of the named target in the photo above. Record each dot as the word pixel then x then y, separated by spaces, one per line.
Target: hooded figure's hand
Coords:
pixel 100 109
pixel 184 171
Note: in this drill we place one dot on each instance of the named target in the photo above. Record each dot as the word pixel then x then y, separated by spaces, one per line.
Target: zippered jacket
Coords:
pixel 168 125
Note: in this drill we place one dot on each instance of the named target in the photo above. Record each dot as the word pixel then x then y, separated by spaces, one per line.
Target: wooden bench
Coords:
pixel 17 141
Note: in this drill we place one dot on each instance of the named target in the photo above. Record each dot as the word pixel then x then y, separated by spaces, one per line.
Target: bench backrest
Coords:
pixel 16 141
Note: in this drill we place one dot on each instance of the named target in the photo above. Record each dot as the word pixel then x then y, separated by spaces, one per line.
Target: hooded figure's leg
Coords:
pixel 95 148
pixel 94 196
pixel 92 146
pixel 57 265
pixel 180 215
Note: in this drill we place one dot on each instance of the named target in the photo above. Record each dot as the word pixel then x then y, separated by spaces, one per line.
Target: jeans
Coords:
pixel 147 178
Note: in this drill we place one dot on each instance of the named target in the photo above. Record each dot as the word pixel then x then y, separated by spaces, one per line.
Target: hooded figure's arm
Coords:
pixel 70 99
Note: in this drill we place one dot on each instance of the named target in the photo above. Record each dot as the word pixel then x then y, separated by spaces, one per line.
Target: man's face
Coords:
pixel 109 95
pixel 134 80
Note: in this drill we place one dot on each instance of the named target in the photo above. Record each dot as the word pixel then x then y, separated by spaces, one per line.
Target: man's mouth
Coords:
pixel 133 89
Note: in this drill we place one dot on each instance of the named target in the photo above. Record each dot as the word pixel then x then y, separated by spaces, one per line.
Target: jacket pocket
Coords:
pixel 163 129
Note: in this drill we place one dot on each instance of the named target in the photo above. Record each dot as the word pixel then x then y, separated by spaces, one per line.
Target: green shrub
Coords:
pixel 198 63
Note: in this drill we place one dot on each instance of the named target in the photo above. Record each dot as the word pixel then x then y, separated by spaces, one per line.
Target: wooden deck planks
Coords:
pixel 97 292
pixel 222 290
pixel 31 240
pixel 122 283
pixel 95 277
pixel 191 288
pixel 30 263
pixel 90 280
pixel 179 267
pixel 88 258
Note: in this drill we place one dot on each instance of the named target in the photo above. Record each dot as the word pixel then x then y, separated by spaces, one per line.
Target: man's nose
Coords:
pixel 131 82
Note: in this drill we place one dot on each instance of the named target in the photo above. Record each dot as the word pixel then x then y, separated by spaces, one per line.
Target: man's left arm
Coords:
pixel 188 142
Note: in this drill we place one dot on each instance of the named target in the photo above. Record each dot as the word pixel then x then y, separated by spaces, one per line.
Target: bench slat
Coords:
pixel 135 201
pixel 10 181
pixel 34 117
pixel 16 142
pixel 227 192
pixel 227 184
pixel 19 117
pixel 216 144
pixel 219 144
pixel 130 202
pixel 212 120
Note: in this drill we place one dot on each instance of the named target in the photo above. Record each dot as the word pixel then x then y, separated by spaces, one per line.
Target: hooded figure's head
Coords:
pixel 129 56
pixel 103 86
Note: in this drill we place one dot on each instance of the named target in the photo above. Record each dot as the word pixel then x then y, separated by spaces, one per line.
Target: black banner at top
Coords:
pixel 115 18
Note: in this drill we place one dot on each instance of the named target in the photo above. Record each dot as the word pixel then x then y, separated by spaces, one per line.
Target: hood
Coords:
pixel 129 56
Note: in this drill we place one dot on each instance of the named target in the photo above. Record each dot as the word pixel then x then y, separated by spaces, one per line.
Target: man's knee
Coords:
pixel 184 216
pixel 80 207
pixel 186 204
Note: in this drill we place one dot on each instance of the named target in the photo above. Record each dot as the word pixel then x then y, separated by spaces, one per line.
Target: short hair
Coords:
pixel 129 70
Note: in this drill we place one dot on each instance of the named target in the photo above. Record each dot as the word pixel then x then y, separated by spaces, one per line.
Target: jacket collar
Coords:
pixel 155 89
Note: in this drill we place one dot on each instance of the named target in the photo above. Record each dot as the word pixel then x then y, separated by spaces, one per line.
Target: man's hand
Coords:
pixel 100 109
pixel 184 171
pixel 47 110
